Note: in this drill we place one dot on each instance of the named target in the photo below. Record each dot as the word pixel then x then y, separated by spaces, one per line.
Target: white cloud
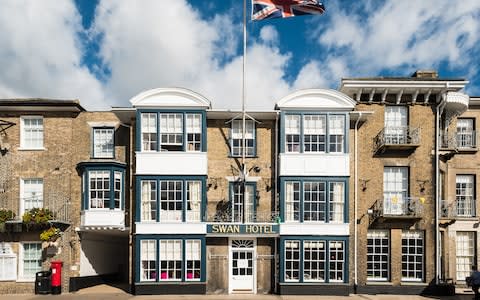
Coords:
pixel 402 34
pixel 39 53
pixel 146 46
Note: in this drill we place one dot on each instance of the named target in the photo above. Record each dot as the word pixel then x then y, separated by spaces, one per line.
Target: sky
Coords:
pixel 104 52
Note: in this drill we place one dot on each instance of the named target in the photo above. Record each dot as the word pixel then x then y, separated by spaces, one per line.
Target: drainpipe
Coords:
pixel 355 284
pixel 275 197
pixel 439 111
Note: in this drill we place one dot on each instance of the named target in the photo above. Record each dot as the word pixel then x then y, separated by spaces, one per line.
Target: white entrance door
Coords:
pixel 242 266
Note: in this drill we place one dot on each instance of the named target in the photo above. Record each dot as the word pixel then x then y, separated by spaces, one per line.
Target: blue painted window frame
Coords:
pixel 110 167
pixel 157 179
pixel 302 239
pixel 183 238
pixel 327 134
pixel 327 181
pixel 93 142
pixel 138 129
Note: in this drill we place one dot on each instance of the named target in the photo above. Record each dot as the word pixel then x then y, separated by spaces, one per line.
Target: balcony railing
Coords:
pixel 250 217
pixel 59 206
pixel 397 137
pixel 459 141
pixel 458 208
pixel 398 207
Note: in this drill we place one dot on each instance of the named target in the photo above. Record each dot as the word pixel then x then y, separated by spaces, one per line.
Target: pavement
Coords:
pixel 106 292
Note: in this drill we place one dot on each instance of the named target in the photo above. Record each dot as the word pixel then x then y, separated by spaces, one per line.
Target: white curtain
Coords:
pixel 195 200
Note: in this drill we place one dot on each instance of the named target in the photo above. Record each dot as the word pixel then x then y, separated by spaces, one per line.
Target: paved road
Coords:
pixel 104 292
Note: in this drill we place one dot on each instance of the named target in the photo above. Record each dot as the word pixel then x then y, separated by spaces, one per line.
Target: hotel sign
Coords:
pixel 243 228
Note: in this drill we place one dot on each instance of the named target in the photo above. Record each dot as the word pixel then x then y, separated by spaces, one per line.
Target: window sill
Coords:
pixel 25 280
pixel 373 282
pixel 31 149
pixel 412 283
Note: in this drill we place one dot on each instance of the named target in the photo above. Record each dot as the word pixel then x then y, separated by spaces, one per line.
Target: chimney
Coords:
pixel 425 74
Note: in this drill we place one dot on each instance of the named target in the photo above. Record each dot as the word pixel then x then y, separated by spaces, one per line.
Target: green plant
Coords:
pixel 50 234
pixel 37 216
pixel 6 215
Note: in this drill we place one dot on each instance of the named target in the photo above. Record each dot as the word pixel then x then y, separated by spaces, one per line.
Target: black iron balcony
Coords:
pixel 239 217
pixel 459 141
pixel 460 208
pixel 397 138
pixel 397 207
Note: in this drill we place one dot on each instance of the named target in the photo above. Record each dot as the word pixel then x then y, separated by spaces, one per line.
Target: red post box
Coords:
pixel 56 267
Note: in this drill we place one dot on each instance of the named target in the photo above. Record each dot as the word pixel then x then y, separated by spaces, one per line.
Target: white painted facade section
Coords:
pixel 317 99
pixel 171 163
pixel 314 229
pixel 170 228
pixel 170 98
pixel 102 256
pixel 115 218
pixel 312 164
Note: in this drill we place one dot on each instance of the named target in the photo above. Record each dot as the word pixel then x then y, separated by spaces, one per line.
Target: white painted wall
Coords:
pixel 103 218
pixel 170 228
pixel 314 229
pixel 171 163
pixel 102 255
pixel 313 164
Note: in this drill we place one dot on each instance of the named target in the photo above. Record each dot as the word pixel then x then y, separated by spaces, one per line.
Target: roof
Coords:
pixel 40 105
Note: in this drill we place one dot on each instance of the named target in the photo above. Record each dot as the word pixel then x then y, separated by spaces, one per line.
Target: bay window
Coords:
pixel 171 131
pixel 314 133
pixel 164 199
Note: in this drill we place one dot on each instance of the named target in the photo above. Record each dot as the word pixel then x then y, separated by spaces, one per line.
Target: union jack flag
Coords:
pixel 270 9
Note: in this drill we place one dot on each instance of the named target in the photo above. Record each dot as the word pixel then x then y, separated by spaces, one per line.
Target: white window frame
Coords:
pixel 315 128
pixel 292 201
pixel 294 247
pixel 240 199
pixel 194 132
pixel 465 253
pixel 103 142
pixel 395 190
pixel 27 190
pixel 465 133
pixel 149 194
pixel 22 277
pixel 320 214
pixel 292 134
pixel 337 258
pixel 171 215
pixel 149 130
pixel 148 256
pixel 336 133
pixel 236 141
pixel 8 263
pixel 194 200
pixel 193 260
pixel 378 255
pixel 396 124
pixel 171 131
pixel 170 250
pixel 465 195
pixel 411 249
pixel 31 137
pixel 103 190
pixel 336 201
pixel 318 247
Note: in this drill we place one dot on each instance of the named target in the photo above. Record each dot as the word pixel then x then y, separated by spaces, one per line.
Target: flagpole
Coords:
pixel 244 171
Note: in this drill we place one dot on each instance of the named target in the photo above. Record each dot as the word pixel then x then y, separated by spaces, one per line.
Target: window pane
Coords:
pixel 32 260
pixel 292 201
pixel 170 259
pixel 292 133
pixel 193 259
pixel 32 195
pixel 32 133
pixel 236 142
pixel 194 201
pixel 465 202
pixel 148 260
pixel 314 201
pixel 171 200
pixel 149 131
pixel 465 257
pixel 194 132
pixel 412 255
pixel 171 132
pixel 292 260
pixel 314 260
pixel 337 202
pixel 99 186
pixel 103 143
pixel 378 255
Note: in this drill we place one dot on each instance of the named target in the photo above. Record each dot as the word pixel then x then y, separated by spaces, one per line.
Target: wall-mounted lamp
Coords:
pixel 212 182
pixel 363 183
pixel 421 184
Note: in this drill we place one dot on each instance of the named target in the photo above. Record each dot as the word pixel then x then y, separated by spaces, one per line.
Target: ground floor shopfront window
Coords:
pixel 305 260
